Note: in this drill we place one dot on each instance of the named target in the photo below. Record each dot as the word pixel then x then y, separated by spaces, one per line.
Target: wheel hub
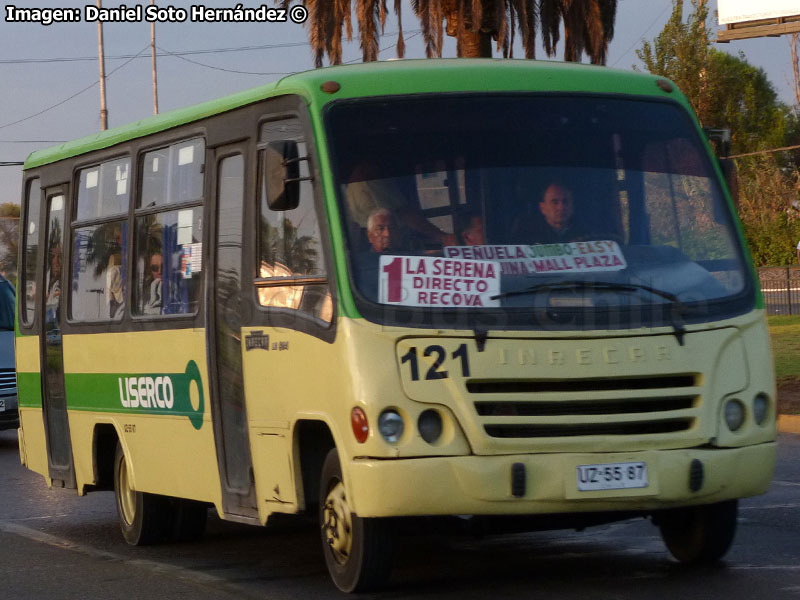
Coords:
pixel 127 495
pixel 337 525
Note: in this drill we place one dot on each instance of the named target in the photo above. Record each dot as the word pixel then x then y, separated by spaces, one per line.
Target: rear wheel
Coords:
pixel 143 518
pixel 699 535
pixel 359 552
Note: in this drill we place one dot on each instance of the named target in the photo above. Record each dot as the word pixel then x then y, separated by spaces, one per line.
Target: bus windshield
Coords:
pixel 583 203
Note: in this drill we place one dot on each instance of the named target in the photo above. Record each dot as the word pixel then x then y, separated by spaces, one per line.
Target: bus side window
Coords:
pixel 30 257
pixel 289 242
pixel 168 241
pixel 97 285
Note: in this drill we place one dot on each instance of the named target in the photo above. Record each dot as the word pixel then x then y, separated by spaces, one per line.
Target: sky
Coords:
pixel 49 75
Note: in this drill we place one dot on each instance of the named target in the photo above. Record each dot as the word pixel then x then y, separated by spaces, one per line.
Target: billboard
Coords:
pixel 738 11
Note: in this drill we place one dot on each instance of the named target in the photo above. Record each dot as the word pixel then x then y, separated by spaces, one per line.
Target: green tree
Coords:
pixel 588 26
pixel 9 239
pixel 727 91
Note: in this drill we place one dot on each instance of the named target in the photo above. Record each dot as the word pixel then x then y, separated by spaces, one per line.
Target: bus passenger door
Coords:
pixel 225 302
pixel 56 423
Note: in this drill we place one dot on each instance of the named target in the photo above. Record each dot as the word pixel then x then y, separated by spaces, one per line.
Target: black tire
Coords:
pixel 143 518
pixel 190 518
pixel 699 535
pixel 359 552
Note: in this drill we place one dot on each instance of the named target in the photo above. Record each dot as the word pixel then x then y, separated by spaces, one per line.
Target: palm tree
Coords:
pixel 588 26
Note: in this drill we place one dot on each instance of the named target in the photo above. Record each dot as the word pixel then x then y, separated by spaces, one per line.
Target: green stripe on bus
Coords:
pixel 138 393
pixel 126 393
pixel 29 390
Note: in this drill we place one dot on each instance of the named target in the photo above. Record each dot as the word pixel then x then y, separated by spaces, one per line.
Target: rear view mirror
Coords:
pixel 721 142
pixel 282 175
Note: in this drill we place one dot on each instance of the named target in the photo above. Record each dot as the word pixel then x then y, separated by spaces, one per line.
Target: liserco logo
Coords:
pixel 146 392
pixel 164 393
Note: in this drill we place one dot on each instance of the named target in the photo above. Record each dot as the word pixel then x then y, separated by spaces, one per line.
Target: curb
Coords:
pixel 789 423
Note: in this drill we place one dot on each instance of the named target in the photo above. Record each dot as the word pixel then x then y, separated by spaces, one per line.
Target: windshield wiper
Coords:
pixel 677 306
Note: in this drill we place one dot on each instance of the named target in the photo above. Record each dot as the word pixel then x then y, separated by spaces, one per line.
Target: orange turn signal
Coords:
pixel 358 420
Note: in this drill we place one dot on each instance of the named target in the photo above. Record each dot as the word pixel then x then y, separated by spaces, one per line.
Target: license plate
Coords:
pixel 2 405
pixel 612 476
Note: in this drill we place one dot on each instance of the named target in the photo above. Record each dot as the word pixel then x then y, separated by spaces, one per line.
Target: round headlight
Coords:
pixel 734 414
pixel 430 425
pixel 760 408
pixel 391 426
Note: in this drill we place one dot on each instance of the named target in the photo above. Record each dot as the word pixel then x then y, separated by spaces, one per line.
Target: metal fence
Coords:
pixel 781 289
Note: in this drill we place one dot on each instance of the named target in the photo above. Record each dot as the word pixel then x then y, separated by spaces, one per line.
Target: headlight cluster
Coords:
pixel 391 425
pixel 735 412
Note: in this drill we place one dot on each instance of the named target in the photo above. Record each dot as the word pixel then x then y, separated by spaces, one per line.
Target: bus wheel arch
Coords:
pixel 358 551
pixel 104 445
pixel 313 440
pixel 699 535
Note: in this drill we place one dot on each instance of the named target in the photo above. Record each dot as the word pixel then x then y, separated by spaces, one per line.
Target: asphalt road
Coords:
pixel 57 545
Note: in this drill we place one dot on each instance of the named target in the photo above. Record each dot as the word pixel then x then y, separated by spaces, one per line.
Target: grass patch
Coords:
pixel 785 335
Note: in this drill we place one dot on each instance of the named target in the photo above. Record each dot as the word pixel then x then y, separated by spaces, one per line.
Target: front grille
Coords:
pixel 540 431
pixel 8 380
pixel 585 407
pixel 625 406
pixel 523 386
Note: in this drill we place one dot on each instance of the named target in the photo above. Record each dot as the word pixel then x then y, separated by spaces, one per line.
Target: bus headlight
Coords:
pixel 430 425
pixel 391 425
pixel 760 408
pixel 734 414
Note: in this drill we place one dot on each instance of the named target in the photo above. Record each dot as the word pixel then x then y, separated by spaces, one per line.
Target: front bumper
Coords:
pixel 9 415
pixel 482 485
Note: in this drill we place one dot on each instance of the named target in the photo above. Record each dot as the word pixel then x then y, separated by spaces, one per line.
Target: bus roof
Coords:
pixel 378 79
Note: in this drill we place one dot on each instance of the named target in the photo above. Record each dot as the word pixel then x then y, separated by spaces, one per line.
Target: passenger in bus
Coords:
pixel 153 303
pixel 115 296
pixel 557 209
pixel 381 231
pixel 471 229
pixel 114 292
pixel 53 283
pixel 366 193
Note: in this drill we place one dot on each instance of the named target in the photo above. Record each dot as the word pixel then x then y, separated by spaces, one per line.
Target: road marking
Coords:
pixel 769 506
pixel 788 483
pixel 188 575
pixel 41 517
pixel 765 567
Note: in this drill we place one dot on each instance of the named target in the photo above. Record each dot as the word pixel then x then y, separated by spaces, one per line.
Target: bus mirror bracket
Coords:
pixel 282 175
pixel 721 142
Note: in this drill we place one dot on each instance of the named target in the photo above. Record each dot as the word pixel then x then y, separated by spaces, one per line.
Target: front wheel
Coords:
pixel 699 535
pixel 358 551
pixel 143 518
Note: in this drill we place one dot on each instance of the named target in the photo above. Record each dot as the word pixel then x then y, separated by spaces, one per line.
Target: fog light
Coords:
pixel 391 426
pixel 358 421
pixel 734 414
pixel 430 425
pixel 760 408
